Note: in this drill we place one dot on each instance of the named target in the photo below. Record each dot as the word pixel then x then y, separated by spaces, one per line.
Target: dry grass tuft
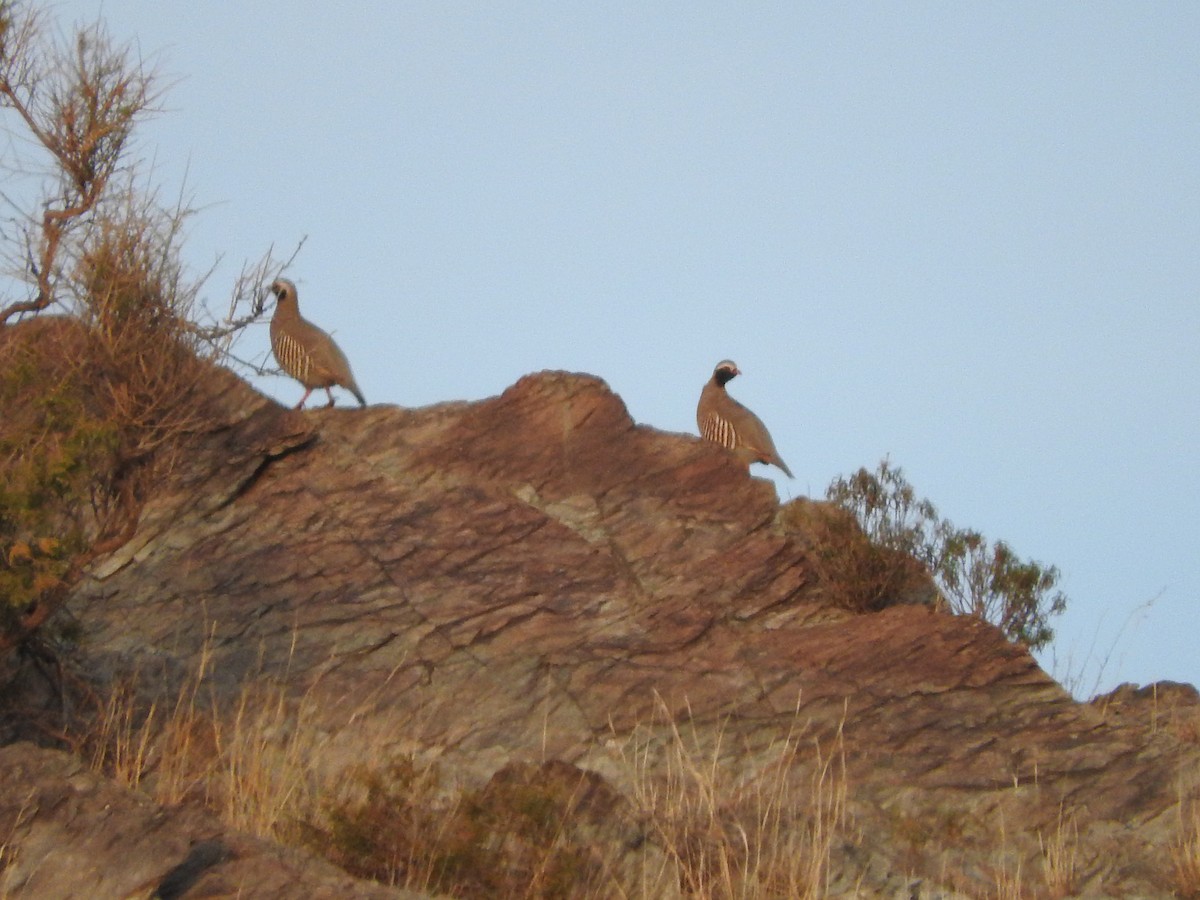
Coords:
pixel 769 834
pixel 255 765
pixel 1060 852
pixel 1006 868
pixel 1185 851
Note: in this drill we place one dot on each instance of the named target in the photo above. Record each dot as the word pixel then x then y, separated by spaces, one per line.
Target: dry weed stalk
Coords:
pixel 1006 872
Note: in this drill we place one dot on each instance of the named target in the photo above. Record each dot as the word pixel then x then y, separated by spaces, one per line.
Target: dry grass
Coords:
pixel 264 783
pixel 164 745
pixel 1006 868
pixel 710 830
pixel 717 817
pixel 1060 851
pixel 532 831
pixel 8 852
pixel 1185 851
pixel 256 765
pixel 728 834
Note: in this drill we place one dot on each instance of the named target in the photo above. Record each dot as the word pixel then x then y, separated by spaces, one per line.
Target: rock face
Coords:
pixel 534 577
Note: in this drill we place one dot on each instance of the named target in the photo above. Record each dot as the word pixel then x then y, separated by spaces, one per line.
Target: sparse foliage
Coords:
pixel 990 581
pixel 974 576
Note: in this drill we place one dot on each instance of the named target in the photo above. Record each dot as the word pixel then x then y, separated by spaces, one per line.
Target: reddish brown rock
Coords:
pixel 535 577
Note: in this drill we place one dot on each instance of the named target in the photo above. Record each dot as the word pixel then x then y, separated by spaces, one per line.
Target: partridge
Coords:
pixel 306 352
pixel 724 421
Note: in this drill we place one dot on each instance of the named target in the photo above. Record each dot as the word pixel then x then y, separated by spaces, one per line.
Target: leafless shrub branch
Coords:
pixel 80 103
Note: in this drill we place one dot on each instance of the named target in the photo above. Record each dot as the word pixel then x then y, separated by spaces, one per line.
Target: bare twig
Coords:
pixel 250 294
pixel 80 106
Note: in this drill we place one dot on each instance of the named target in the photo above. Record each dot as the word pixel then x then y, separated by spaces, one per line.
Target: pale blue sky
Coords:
pixel 966 235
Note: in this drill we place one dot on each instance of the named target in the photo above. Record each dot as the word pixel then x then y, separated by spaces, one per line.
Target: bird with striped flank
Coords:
pixel 304 351
pixel 724 421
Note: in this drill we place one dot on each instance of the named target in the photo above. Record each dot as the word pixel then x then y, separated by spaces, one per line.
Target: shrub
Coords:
pixel 98 399
pixel 854 572
pixel 973 576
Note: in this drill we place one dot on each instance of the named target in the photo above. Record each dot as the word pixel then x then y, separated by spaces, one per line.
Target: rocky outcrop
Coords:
pixel 534 577
pixel 536 553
